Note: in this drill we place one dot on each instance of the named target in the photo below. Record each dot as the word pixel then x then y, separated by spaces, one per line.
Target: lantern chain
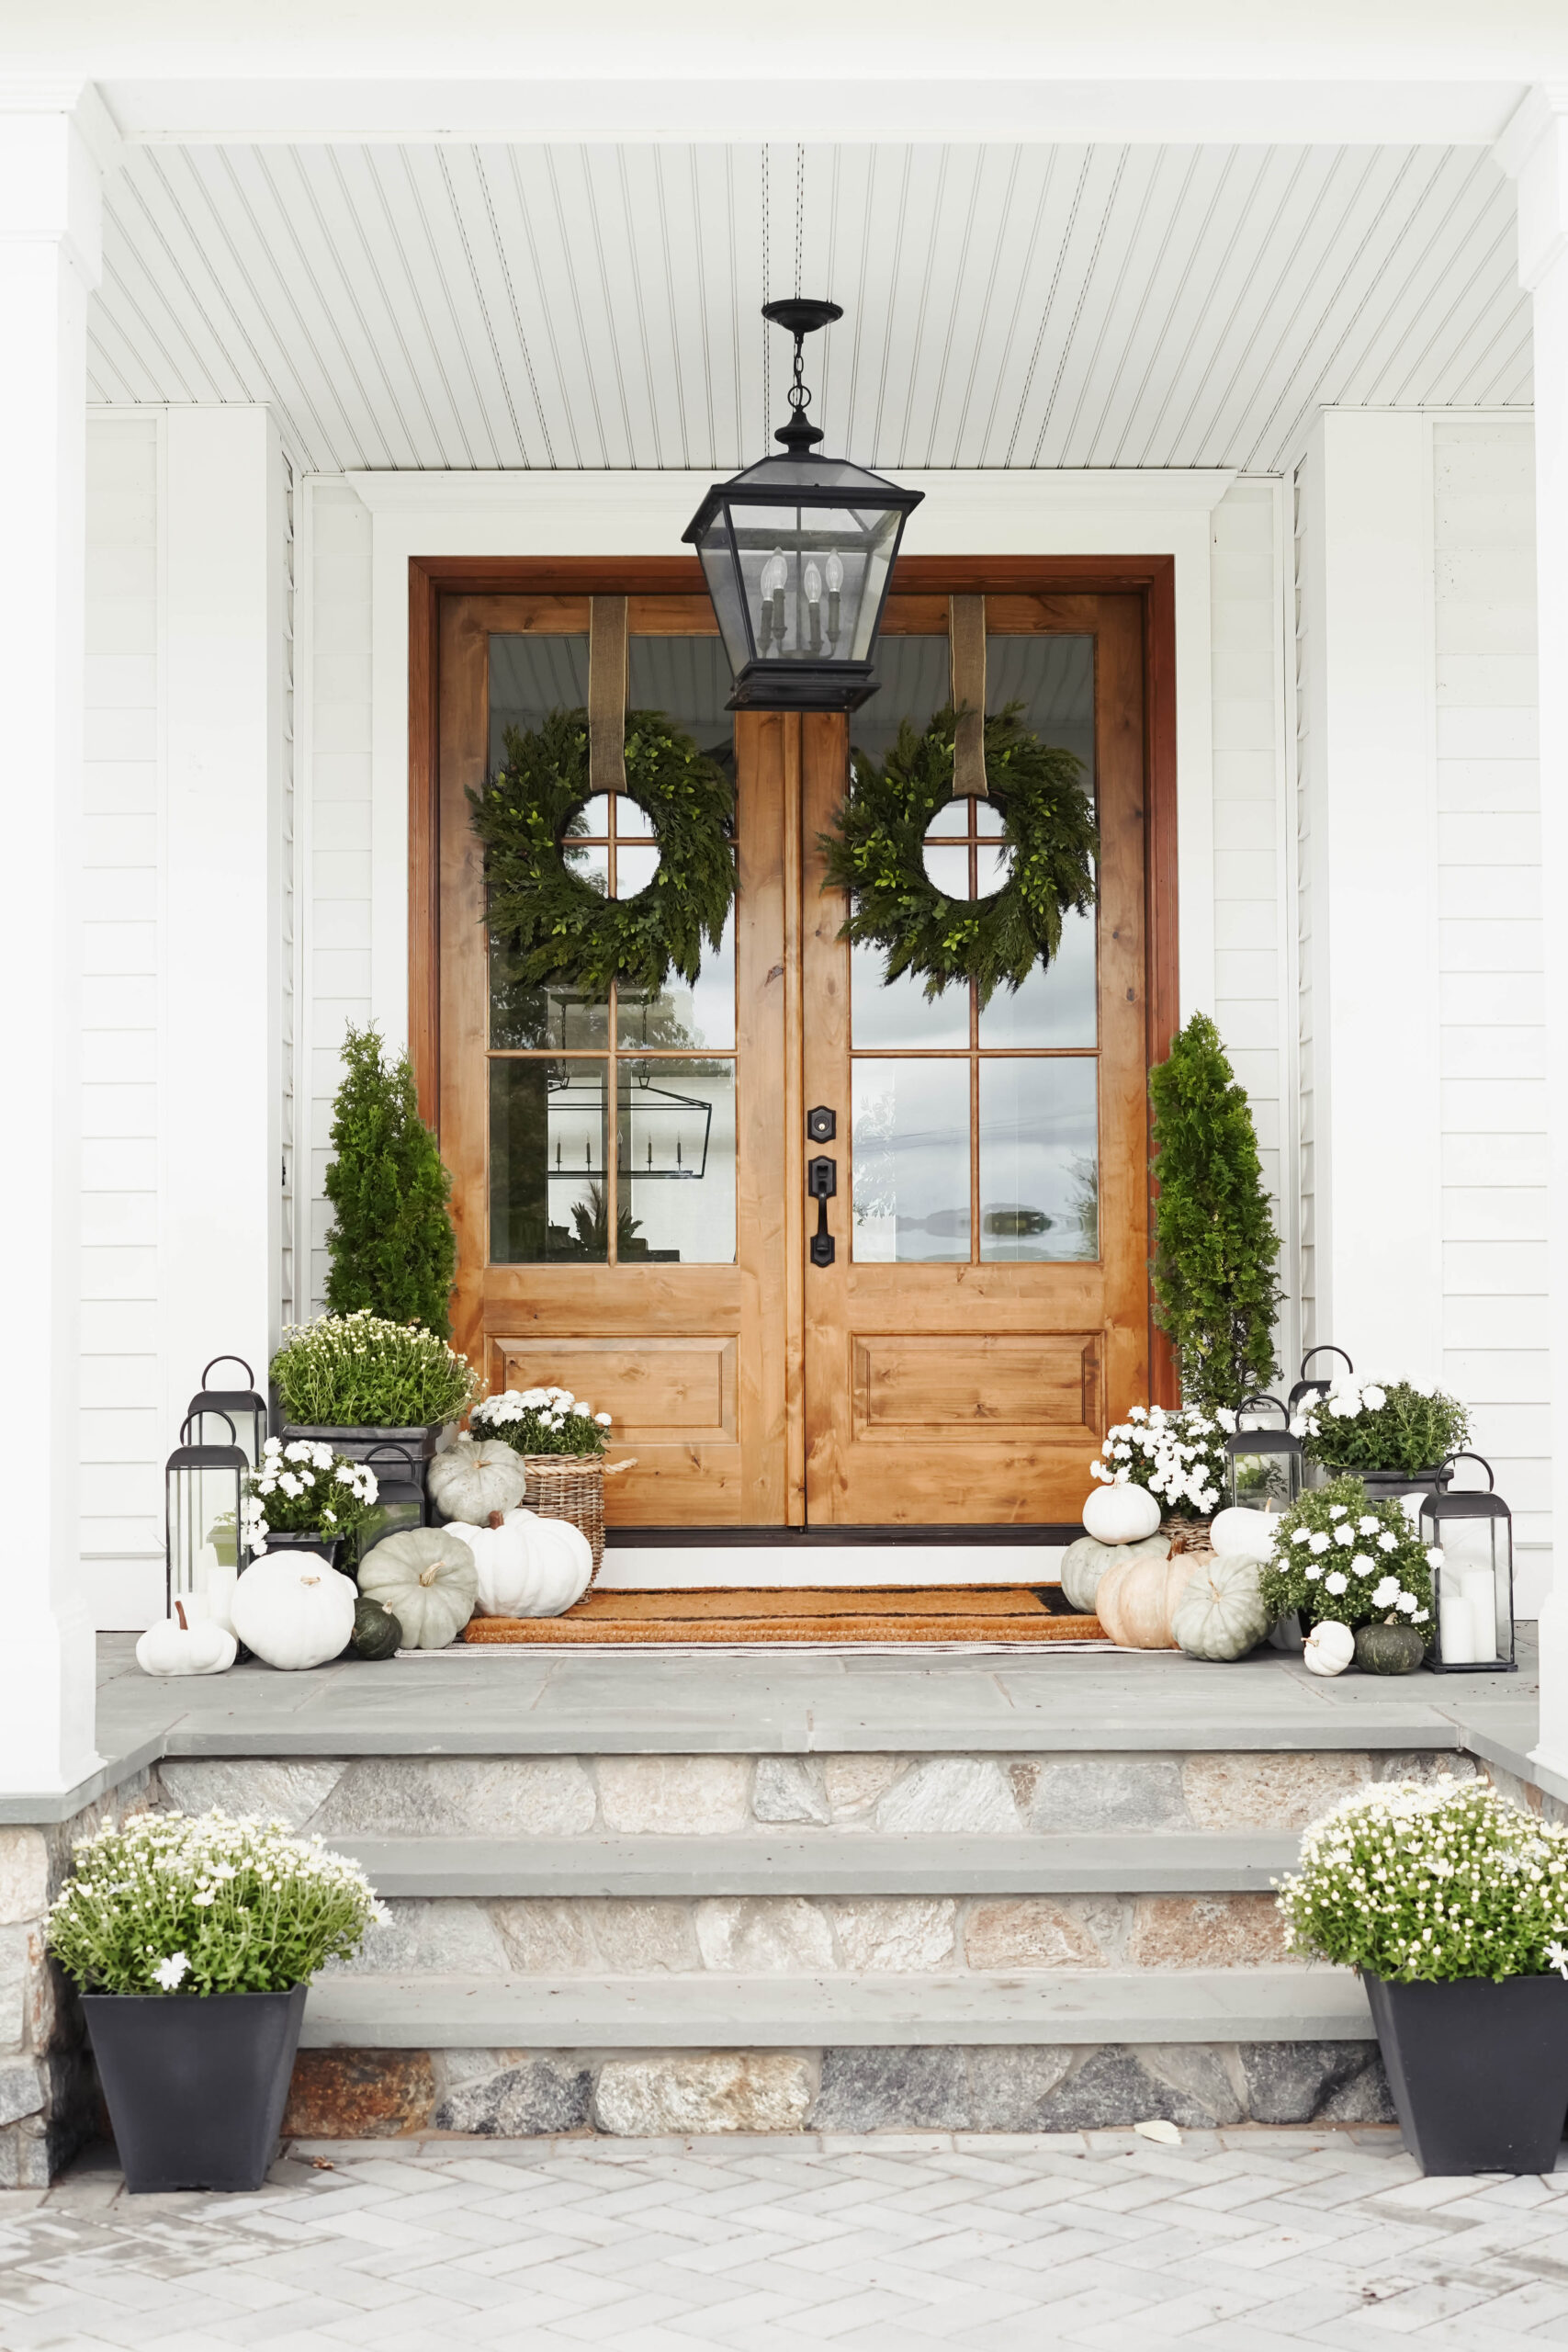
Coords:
pixel 767 370
pixel 799 210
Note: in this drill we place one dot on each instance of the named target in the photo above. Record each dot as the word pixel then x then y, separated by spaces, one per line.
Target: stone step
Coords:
pixel 1052 2007
pixel 823 1862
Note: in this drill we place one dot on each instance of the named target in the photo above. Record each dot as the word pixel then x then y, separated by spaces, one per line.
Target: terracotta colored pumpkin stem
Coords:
pixel 180 1613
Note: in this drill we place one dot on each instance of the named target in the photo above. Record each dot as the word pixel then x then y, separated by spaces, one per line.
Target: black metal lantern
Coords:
pixel 204 1535
pixel 244 1412
pixel 1265 1463
pixel 797 552
pixel 400 1503
pixel 1472 1582
pixel 1313 1384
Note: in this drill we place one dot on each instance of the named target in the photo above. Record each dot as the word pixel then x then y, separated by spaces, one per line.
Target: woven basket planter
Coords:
pixel 571 1486
pixel 1188 1535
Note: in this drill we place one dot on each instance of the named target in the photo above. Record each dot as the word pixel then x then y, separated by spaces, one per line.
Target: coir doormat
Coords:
pixel 883 1614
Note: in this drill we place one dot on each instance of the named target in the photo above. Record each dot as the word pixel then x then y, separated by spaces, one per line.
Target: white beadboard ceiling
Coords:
pixel 443 305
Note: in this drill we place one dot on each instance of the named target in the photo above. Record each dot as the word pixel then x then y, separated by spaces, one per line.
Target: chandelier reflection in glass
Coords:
pixel 662 1134
pixel 797 552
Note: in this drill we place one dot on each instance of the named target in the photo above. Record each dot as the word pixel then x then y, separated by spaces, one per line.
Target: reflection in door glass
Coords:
pixel 910 1151
pixel 901 1014
pixel 681 1014
pixel 675 1120
pixel 689 679
pixel 915 683
pixel 1056 1005
pixel 1039 1159
pixel 529 678
pixel 1052 677
pixel 524 1018
pixel 548 1139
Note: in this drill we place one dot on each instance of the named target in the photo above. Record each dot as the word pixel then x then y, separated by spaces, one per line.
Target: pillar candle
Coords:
pixel 1456 1625
pixel 1480 1591
pixel 219 1596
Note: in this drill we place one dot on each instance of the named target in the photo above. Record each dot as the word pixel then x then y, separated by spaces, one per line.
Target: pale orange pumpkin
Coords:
pixel 1136 1599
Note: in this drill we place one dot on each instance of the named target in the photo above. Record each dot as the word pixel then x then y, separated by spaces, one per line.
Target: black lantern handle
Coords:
pixel 1324 1348
pixel 245 1367
pixel 1260 1397
pixel 216 1413
pixel 1467 1456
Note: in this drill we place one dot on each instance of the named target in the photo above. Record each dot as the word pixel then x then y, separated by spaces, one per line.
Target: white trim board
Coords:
pixel 674 1568
pixel 644 514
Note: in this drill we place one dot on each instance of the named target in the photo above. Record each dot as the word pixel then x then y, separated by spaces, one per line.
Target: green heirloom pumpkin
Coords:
pixel 1222 1615
pixel 1085 1562
pixel 377 1633
pixel 1389 1649
pixel 429 1579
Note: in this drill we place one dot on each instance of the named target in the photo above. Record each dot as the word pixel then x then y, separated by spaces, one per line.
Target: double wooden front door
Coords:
pixel 637 1184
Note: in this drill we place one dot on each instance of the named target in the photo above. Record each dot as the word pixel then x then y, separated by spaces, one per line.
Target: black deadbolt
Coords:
pixel 820 1124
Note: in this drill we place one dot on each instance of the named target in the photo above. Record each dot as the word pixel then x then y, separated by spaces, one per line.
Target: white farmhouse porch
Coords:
pixel 280 326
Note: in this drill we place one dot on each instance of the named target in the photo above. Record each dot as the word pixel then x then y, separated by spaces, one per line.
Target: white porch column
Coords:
pixel 1370 958
pixel 50 221
pixel 222 1123
pixel 1534 148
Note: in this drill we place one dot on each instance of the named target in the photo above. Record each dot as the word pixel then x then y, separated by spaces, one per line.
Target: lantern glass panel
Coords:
pixel 1472 1584
pixel 1265 1470
pixel 202 1488
pixel 813 578
pixel 722 579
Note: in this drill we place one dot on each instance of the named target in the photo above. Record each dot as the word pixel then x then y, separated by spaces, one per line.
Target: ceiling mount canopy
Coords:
pixel 797 552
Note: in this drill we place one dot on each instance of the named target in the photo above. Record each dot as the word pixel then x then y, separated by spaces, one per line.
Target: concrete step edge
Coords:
pixel 1283 2004
pixel 827 1861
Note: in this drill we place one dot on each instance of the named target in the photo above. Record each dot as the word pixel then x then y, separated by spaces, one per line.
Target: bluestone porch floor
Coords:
pixel 1234 2241
pixel 759 1702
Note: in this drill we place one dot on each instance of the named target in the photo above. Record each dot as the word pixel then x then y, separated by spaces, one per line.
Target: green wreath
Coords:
pixel 876 855
pixel 561 930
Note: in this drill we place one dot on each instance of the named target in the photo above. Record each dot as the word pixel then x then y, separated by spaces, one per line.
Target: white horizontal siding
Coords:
pixel 1489 955
pixel 122 1443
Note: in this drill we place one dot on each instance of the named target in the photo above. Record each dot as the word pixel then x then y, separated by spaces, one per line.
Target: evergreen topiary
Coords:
pixel 1216 1246
pixel 392 1245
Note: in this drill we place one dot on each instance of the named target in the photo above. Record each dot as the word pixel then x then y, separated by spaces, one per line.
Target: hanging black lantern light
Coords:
pixel 799 553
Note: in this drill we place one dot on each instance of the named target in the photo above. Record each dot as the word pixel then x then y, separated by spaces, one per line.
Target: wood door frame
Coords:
pixel 1151 578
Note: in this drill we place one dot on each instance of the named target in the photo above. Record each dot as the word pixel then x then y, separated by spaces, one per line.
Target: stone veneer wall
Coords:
pixel 49 2104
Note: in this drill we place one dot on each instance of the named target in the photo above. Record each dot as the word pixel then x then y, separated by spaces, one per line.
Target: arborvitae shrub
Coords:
pixel 1215 1287
pixel 392 1245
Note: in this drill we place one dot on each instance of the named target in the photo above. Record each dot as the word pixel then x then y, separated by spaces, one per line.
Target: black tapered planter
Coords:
pixel 196 2087
pixel 1478 2070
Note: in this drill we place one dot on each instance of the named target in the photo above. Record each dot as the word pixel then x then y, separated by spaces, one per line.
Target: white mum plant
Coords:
pixel 541 1420
pixel 1425 1885
pixel 1179 1456
pixel 176 1902
pixel 304 1488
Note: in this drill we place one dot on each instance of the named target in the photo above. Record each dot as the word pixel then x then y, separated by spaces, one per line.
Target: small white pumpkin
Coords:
pixel 1244 1535
pixel 428 1580
pixel 1085 1562
pixel 293 1610
pixel 1121 1514
pixel 475 1478
pixel 1221 1613
pixel 528 1567
pixel 1329 1648
pixel 178 1645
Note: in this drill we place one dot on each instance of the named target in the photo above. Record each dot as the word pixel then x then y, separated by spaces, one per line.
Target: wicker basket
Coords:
pixel 571 1486
pixel 1188 1535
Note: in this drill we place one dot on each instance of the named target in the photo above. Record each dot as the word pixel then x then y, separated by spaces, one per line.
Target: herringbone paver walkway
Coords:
pixel 1242 2241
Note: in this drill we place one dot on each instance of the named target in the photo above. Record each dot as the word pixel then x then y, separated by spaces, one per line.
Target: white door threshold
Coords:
pixel 671 1567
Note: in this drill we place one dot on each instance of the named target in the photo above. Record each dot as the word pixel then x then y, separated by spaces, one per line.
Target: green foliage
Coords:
pixel 173 1904
pixel 541 1420
pixel 346 1372
pixel 875 853
pixel 557 929
pixel 1427 1885
pixel 391 1243
pixel 1382 1425
pixel 1215 1288
pixel 1362 1562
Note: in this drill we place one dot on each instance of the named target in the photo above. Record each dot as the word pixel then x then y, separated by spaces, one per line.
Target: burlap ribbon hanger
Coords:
pixel 966 648
pixel 607 694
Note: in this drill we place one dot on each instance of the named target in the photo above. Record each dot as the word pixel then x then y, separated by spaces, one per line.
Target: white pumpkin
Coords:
pixel 475 1478
pixel 293 1610
pixel 528 1567
pixel 428 1580
pixel 1329 1648
pixel 180 1647
pixel 1221 1613
pixel 1244 1535
pixel 1121 1514
pixel 1085 1562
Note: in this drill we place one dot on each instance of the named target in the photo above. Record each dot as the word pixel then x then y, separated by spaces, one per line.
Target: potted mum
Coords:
pixel 193 1939
pixel 1179 1456
pixel 1340 1556
pixel 1394 1437
pixel 1453 1906
pixel 562 1440
pixel 306 1497
pixel 358 1382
